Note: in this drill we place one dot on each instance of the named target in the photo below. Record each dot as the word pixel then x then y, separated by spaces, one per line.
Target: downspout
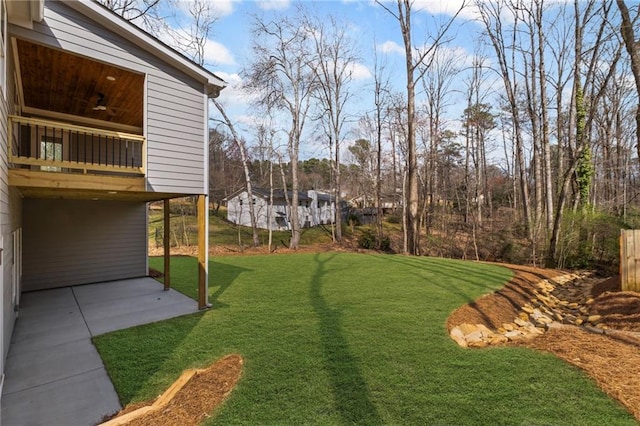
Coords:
pixel 205 190
pixel 211 91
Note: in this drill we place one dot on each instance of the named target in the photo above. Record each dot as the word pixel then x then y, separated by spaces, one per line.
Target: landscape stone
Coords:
pixel 478 344
pixel 563 305
pixel 467 329
pixel 458 337
pixel 497 339
pixel 508 326
pixel 594 318
pixel 521 322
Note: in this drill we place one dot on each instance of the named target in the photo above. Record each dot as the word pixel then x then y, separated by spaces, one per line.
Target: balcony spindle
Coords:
pixel 58 147
pixel 46 141
pixel 19 150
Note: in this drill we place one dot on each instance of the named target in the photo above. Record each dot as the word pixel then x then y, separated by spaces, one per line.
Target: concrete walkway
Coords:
pixel 54 375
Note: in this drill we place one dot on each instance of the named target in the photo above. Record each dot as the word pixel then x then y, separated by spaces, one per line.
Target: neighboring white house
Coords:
pixel 323 207
pixel 314 208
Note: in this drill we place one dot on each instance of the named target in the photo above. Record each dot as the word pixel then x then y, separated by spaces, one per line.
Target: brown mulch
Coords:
pixel 195 402
pixel 612 359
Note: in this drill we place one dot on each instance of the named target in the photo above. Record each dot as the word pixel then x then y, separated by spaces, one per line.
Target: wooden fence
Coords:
pixel 630 259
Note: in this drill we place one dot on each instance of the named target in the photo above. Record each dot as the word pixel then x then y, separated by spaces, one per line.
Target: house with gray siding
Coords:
pixel 97 119
pixel 314 208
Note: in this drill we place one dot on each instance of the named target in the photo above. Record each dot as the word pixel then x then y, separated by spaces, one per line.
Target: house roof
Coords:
pixel 146 41
pixel 265 192
pixel 322 196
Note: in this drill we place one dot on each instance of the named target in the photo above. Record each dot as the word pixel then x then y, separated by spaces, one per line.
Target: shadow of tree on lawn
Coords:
pixel 351 396
pixel 221 276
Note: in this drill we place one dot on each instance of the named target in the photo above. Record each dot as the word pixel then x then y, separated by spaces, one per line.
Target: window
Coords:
pixel 51 149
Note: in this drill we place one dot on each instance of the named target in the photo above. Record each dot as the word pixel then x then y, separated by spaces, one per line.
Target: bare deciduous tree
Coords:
pixel 336 57
pixel 491 14
pixel 141 12
pixel 281 76
pixel 417 63
pixel 633 49
pixel 203 18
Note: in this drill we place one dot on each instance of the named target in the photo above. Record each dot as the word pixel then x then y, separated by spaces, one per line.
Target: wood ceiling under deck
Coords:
pixel 53 80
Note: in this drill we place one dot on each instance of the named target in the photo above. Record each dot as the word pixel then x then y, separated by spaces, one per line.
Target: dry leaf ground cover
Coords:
pixel 343 338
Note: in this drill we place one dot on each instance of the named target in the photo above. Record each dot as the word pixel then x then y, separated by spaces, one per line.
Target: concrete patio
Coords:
pixel 54 375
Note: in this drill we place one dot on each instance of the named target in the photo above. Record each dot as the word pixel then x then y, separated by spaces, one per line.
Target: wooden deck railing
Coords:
pixel 54 146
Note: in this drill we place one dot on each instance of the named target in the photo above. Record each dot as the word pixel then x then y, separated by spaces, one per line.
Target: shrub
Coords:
pixel 394 218
pixel 353 219
pixel 369 240
pixel 590 239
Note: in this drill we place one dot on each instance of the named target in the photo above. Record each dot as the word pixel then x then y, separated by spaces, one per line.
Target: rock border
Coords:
pixel 554 303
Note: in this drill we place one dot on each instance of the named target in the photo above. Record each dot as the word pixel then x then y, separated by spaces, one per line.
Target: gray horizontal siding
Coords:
pixel 175 119
pixel 176 109
pixel 168 132
pixel 185 152
pixel 70 242
pixel 174 90
pixel 8 315
pixel 178 163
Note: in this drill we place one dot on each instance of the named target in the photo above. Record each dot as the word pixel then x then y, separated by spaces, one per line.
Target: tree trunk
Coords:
pixel 295 199
pixel 633 48
pixel 546 152
pixel 247 174
pixel 413 220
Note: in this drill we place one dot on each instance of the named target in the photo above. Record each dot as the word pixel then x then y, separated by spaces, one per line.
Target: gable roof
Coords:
pixel 114 22
pixel 278 194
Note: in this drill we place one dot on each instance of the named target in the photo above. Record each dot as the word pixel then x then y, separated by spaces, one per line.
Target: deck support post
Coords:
pixel 203 252
pixel 166 240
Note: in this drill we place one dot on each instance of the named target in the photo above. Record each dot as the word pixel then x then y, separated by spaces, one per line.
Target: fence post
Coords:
pixel 630 259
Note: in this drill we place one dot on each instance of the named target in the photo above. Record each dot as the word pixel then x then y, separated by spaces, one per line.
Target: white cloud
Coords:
pixel 391 47
pixel 447 7
pixel 273 4
pixel 217 54
pixel 219 7
pixel 234 96
pixel 222 7
pixel 360 71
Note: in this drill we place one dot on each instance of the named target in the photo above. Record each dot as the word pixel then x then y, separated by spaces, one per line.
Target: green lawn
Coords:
pixel 351 339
